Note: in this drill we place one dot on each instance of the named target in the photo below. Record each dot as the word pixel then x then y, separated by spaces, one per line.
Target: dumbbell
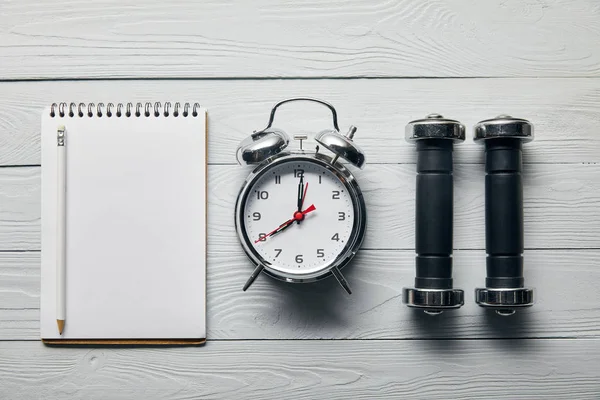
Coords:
pixel 434 137
pixel 503 138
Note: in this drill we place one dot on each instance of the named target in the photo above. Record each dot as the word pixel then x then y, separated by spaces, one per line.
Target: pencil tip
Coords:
pixel 61 325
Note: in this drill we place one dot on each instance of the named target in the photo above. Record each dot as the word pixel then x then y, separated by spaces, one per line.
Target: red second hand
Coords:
pixel 304 195
pixel 309 209
pixel 298 216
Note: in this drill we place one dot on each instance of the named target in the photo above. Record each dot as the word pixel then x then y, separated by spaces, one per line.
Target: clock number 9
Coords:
pixel 256 216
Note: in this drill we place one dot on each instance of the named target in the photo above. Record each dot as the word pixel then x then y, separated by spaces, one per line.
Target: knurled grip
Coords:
pixel 434 214
pixel 504 213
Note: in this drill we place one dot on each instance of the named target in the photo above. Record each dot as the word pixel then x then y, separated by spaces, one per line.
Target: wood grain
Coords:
pixel 565 112
pixel 560 206
pixel 565 281
pixel 545 369
pixel 20 202
pixel 269 38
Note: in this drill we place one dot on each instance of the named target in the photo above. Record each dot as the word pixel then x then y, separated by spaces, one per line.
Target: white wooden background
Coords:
pixel 381 63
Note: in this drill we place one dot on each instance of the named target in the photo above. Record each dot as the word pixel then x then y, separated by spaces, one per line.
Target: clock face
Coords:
pixel 298 217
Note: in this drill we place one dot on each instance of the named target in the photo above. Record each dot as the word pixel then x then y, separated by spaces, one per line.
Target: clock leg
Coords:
pixel 253 277
pixel 340 278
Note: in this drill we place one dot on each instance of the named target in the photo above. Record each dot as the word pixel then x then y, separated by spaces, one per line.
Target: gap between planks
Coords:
pixel 286 78
pixel 457 339
pixel 218 164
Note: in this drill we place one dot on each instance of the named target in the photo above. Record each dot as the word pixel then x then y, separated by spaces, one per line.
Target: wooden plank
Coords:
pixel 268 38
pixel 18 324
pixel 547 369
pixel 560 206
pixel 20 199
pixel 565 112
pixel 20 280
pixel 565 283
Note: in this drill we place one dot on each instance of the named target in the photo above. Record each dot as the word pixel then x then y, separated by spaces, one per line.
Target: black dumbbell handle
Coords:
pixel 434 214
pixel 504 213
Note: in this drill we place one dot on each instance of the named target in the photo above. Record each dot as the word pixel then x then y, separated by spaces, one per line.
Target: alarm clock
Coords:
pixel 300 215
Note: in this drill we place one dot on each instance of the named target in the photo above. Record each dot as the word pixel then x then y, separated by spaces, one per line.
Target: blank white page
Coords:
pixel 135 227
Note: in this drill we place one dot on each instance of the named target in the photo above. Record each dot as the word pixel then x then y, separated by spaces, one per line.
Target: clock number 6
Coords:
pixel 299 258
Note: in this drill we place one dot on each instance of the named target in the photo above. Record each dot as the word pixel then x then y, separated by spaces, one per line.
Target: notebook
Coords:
pixel 135 223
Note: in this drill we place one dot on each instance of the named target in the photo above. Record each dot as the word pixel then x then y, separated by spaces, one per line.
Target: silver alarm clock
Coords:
pixel 300 215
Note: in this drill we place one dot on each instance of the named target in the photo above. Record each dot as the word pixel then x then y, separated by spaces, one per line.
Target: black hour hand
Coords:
pixel 300 193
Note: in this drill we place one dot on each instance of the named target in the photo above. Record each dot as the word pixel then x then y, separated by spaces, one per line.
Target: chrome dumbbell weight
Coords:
pixel 503 137
pixel 434 137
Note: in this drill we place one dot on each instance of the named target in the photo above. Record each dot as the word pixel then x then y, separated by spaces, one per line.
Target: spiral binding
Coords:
pixel 146 110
